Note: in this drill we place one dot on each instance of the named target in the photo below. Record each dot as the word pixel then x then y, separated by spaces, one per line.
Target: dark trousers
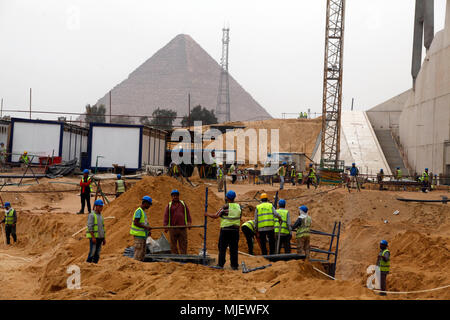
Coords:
pixel 383 276
pixel 293 181
pixel 249 235
pixel 285 242
pixel 85 198
pixel 10 230
pixel 234 177
pixel 94 250
pixel 263 237
pixel 229 238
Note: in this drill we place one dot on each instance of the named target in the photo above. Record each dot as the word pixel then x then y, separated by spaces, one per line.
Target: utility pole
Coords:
pixel 223 97
pixel 30 103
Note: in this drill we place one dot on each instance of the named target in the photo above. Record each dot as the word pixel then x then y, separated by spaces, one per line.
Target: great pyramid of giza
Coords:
pixel 165 79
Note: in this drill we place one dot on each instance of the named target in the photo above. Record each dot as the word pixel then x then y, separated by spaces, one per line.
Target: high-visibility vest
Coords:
pixel 303 230
pixel 120 186
pixel 175 168
pixel 425 176
pixel 90 185
pixel 220 173
pixel 300 175
pixel 138 231
pixel 312 173
pixel 185 212
pixel 250 224
pixel 233 218
pixel 265 215
pixel 399 173
pixel 25 159
pixel 284 227
pixel 9 217
pixel 384 265
pixel 281 171
pixel 95 228
pixel 293 173
pixel 232 169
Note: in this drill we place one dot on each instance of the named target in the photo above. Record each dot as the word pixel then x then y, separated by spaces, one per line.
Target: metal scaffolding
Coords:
pixel 223 97
pixel 332 83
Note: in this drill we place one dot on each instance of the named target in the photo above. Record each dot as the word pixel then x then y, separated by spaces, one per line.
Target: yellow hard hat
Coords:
pixel 25 152
pixel 264 196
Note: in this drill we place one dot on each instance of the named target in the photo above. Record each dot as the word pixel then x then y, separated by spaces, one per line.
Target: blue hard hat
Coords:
pixel 282 202
pixel 310 164
pixel 147 198
pixel 353 164
pixel 304 208
pixel 98 202
pixel 174 191
pixel 398 167
pixel 85 171
pixel 231 195
pixel 284 162
pixel 426 168
pixel 384 242
pixel 119 176
pixel 7 204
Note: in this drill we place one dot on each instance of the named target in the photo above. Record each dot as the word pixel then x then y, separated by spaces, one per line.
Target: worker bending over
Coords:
pixel 230 221
pixel 303 226
pixel 248 229
pixel 383 262
pixel 265 214
pixel 85 191
pixel 120 186
pixel 177 214
pixel 10 222
pixel 140 229
pixel 95 232
pixel 283 231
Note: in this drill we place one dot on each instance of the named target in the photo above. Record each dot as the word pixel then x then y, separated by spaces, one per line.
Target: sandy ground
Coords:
pixel 36 267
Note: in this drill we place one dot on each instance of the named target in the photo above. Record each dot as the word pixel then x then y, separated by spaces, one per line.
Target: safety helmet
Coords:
pixel 119 176
pixel 98 202
pixel 174 191
pixel 293 167
pixel 426 169
pixel 303 208
pixel 85 171
pixel 147 198
pixel 384 242
pixel 25 152
pixel 7 204
pixel 398 167
pixel 284 162
pixel 282 203
pixel 310 164
pixel 264 196
pixel 353 164
pixel 231 195
pixel 381 169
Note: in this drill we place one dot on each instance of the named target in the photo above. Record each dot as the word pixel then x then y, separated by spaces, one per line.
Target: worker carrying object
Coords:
pixel 265 214
pixel 312 178
pixel 10 222
pixel 177 214
pixel 24 159
pixel 140 229
pixel 220 177
pixel 85 191
pixel 283 227
pixel 383 262
pixel 95 232
pixel 303 227
pixel 120 186
pixel 230 221
pixel 248 229
pixel 282 173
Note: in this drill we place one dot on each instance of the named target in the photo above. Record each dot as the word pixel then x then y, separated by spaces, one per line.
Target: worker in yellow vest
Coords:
pixel 383 262
pixel 24 159
pixel 300 177
pixel 120 186
pixel 230 221
pixel 265 215
pixel 85 191
pixel 425 180
pixel 293 174
pixel 248 229
pixel 312 179
pixel 303 227
pixel 398 174
pixel 95 232
pixel 282 173
pixel 10 222
pixel 283 227
pixel 140 229
pixel 220 177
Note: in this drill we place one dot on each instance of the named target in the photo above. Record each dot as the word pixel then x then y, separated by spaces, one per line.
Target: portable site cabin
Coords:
pixel 131 146
pixel 41 138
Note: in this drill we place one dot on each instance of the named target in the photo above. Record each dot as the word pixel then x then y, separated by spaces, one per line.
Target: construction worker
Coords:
pixel 383 262
pixel 230 221
pixel 434 182
pixel 177 214
pixel 140 229
pixel 312 179
pixel 233 172
pixel 95 232
pixel 3 155
pixel 248 229
pixel 398 174
pixel 303 226
pixel 120 186
pixel 282 173
pixel 284 227
pixel 293 175
pixel 380 177
pixel 300 177
pixel 24 159
pixel 354 174
pixel 265 214
pixel 220 177
pixel 425 180
pixel 10 222
pixel 85 191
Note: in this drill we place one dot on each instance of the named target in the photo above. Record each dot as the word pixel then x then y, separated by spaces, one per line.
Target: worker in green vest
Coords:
pixel 283 228
pixel 282 173
pixel 303 227
pixel 383 262
pixel 230 221
pixel 120 186
pixel 300 177
pixel 248 229
pixel 10 222
pixel 312 179
pixel 24 159
pixel 220 177
pixel 265 215
pixel 425 180
pixel 95 232
pixel 140 228
pixel 398 174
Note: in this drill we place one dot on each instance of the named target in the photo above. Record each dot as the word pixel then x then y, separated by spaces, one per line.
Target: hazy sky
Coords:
pixel 72 52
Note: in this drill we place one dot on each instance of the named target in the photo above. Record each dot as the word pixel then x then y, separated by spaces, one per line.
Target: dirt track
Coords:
pixel 35 268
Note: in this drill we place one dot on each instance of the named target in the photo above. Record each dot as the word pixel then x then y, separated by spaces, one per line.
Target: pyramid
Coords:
pixel 166 79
